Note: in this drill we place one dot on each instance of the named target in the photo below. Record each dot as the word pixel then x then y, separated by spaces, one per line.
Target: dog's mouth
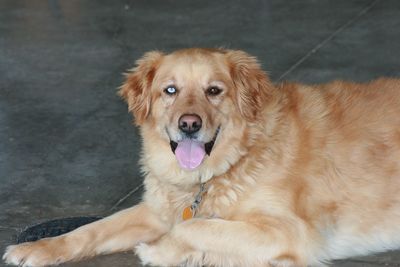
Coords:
pixel 190 152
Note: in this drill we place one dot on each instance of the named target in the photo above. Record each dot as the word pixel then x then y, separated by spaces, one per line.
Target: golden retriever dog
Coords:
pixel 242 172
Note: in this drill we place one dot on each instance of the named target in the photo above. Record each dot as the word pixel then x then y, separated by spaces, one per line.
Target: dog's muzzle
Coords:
pixel 191 152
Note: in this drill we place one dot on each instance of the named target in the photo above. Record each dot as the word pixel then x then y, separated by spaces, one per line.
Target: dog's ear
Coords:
pixel 253 88
pixel 136 89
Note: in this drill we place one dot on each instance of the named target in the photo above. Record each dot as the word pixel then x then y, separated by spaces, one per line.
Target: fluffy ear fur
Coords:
pixel 252 84
pixel 136 89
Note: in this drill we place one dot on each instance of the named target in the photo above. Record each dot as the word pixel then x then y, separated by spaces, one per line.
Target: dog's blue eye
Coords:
pixel 170 90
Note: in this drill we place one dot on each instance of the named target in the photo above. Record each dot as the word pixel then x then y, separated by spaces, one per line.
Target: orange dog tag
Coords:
pixel 187 213
pixel 190 211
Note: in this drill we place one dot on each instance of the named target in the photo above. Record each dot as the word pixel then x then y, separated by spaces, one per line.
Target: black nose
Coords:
pixel 189 123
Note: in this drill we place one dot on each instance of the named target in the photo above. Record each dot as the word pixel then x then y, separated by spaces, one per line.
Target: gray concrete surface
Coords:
pixel 68 146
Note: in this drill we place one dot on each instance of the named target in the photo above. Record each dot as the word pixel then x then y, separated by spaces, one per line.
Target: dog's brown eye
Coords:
pixel 213 91
pixel 170 90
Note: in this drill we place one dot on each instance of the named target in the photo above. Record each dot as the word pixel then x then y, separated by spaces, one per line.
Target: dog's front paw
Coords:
pixel 146 253
pixel 32 254
pixel 161 253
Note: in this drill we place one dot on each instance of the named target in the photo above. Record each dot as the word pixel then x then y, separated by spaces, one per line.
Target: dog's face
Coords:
pixel 198 101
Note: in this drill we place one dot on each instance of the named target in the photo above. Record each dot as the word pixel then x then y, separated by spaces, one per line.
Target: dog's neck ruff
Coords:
pixel 190 211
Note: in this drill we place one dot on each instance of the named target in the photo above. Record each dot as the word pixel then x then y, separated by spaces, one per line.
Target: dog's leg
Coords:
pixel 218 242
pixel 119 232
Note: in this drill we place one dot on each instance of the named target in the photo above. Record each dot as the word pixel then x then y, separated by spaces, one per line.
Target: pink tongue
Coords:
pixel 190 154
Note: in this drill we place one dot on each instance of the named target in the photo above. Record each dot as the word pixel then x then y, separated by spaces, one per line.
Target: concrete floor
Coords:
pixel 68 146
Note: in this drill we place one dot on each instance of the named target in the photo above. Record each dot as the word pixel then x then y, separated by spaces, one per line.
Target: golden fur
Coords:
pixel 299 175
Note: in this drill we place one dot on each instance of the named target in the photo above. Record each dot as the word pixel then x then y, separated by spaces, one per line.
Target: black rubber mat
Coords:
pixel 53 228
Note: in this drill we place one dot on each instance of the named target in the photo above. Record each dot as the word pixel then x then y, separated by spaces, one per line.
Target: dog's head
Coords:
pixel 198 102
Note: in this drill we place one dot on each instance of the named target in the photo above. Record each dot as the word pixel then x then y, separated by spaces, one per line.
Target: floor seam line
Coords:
pixel 4 228
pixel 126 196
pixel 363 261
pixel 329 38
